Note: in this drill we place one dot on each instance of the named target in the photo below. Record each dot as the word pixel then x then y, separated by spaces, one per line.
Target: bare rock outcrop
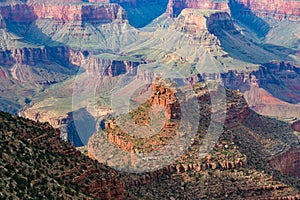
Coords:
pixel 110 67
pixel 175 7
pixel 278 9
pixel 166 98
pixel 62 12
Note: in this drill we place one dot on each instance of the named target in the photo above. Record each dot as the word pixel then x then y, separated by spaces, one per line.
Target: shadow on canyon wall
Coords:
pixel 81 127
pixel 144 12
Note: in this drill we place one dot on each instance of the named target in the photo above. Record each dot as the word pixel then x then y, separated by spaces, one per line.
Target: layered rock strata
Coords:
pixel 278 9
pixel 176 6
pixel 63 12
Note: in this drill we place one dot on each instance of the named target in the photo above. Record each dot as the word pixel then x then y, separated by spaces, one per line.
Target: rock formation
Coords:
pixel 62 12
pixel 33 56
pixel 111 68
pixel 288 162
pixel 278 9
pixel 165 97
pixel 176 6
pixel 226 156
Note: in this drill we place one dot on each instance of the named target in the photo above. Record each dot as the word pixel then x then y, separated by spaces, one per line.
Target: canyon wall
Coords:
pixel 176 6
pixel 19 12
pixel 79 12
pixel 276 73
pixel 110 67
pixel 278 9
pixel 288 162
pixel 31 56
pixel 94 13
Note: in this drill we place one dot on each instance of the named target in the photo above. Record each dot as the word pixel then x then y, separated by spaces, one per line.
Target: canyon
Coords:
pixel 237 160
pixel 62 62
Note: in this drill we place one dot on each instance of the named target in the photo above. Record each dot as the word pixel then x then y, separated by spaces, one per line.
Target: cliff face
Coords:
pixel 17 12
pixel 98 13
pixel 278 9
pixel 273 72
pixel 46 55
pixel 109 67
pixel 92 13
pixel 271 90
pixel 288 162
pixel 175 7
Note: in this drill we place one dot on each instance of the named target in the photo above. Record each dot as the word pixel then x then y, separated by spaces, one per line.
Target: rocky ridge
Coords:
pixel 228 153
pixel 47 156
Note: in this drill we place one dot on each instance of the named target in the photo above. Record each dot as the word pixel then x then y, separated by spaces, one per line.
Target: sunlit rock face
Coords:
pixel 278 9
pixel 61 11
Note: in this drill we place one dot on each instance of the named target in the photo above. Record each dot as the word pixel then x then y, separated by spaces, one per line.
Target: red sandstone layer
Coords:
pixel 62 12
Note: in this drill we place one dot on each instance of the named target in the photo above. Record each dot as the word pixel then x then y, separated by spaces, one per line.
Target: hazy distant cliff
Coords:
pixel 278 9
